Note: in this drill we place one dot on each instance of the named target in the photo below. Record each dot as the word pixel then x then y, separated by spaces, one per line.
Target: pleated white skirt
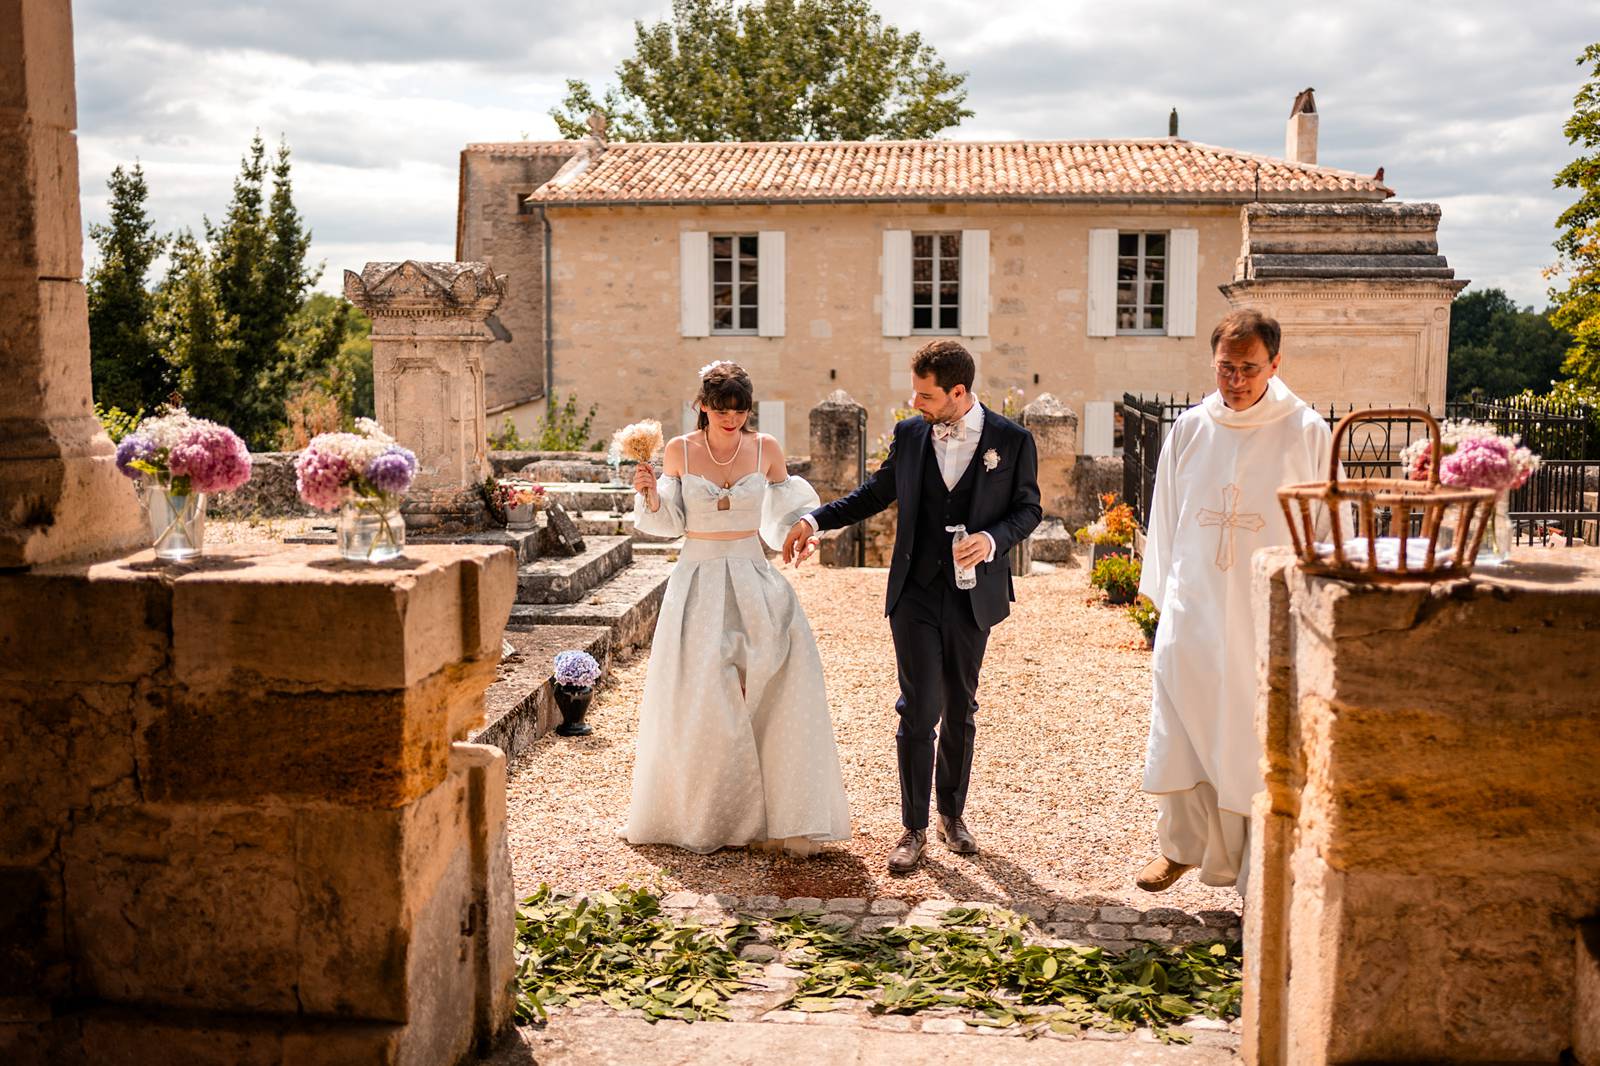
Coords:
pixel 735 742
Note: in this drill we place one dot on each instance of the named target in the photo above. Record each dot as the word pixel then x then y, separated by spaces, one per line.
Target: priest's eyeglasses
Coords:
pixel 1241 372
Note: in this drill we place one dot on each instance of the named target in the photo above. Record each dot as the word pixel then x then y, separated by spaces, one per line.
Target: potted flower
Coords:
pixel 362 475
pixel 575 674
pixel 521 501
pixel 1111 532
pixel 1118 577
pixel 184 458
pixel 1146 617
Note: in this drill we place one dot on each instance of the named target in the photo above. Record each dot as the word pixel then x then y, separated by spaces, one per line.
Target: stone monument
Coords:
pixel 428 334
pixel 1363 296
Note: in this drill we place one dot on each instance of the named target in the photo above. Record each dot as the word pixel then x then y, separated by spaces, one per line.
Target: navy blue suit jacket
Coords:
pixel 1005 504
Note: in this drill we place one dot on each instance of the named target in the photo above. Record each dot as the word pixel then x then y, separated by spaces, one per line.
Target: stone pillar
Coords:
pixel 1362 294
pixel 61 496
pixel 838 445
pixel 1423 858
pixel 234 826
pixel 428 336
pixel 1054 426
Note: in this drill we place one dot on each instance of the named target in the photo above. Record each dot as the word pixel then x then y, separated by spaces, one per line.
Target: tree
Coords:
pixel 126 363
pixel 1577 307
pixel 198 336
pixel 326 376
pixel 773 70
pixel 1499 349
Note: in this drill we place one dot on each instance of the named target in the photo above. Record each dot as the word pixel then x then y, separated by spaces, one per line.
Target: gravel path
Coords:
pixel 1054 799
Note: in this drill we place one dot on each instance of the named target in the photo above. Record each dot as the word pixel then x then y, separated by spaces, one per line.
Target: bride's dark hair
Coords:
pixel 724 387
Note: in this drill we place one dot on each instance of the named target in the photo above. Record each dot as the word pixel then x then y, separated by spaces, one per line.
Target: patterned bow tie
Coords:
pixel 950 430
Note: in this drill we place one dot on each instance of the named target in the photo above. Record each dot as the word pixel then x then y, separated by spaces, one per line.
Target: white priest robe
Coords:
pixel 1215 503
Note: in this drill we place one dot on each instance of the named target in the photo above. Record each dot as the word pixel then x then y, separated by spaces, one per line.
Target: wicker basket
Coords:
pixel 1472 509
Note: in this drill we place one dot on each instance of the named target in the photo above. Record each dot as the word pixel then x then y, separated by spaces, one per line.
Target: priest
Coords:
pixel 1216 503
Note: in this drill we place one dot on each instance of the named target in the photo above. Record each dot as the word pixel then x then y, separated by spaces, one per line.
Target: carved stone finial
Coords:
pixel 1304 103
pixel 597 125
pixel 415 288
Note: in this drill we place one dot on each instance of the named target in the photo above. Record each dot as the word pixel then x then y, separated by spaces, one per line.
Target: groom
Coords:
pixel 958 464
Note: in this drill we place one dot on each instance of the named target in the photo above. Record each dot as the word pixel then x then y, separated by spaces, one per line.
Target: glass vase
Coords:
pixel 371 529
pixel 177 523
pixel 1495 548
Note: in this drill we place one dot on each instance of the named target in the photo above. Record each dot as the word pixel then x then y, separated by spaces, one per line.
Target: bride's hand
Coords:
pixel 644 483
pixel 800 543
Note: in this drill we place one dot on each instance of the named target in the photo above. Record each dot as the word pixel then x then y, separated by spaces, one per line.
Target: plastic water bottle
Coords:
pixel 966 576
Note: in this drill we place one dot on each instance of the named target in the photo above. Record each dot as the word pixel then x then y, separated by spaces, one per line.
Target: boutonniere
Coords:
pixel 991 459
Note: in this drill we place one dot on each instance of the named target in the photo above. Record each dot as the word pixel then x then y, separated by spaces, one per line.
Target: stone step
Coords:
pixel 607 524
pixel 627 605
pixel 584 496
pixel 567 579
pixel 520 706
pixel 660 549
pixel 524 543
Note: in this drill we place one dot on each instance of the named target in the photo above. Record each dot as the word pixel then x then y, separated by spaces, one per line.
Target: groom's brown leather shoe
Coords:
pixel 1161 874
pixel 907 855
pixel 956 836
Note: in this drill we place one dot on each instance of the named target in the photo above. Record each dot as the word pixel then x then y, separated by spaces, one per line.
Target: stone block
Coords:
pixel 36 62
pixel 1168 916
pixel 1106 930
pixel 494 904
pixel 1586 995
pixel 1160 934
pixel 885 905
pixel 1122 915
pixel 291 618
pixel 108 624
pixel 803 903
pixel 41 232
pixel 1074 912
pixel 846 905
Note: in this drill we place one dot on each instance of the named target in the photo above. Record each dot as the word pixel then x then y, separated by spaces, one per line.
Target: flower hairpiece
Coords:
pixel 709 367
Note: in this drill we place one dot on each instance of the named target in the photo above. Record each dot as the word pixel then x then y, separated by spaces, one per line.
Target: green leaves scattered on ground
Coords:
pixel 619 948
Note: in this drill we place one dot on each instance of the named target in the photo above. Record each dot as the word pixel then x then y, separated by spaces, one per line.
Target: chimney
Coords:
pixel 1300 141
pixel 1172 123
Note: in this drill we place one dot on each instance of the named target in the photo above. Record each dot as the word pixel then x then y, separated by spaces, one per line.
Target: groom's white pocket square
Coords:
pixel 991 459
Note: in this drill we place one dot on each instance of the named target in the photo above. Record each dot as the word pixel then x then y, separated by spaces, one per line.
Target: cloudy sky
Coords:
pixel 1462 105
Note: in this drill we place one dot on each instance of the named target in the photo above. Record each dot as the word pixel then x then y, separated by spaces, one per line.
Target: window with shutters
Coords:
pixel 1141 282
pixel 935 282
pixel 735 272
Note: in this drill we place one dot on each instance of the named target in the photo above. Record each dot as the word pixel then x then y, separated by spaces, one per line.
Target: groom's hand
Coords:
pixel 799 544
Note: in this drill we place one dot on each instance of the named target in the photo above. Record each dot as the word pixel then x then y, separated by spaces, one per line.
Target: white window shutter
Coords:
pixel 897 283
pixel 694 272
pixel 1099 431
pixel 769 282
pixel 1183 281
pixel 974 283
pixel 1102 283
pixel 772 414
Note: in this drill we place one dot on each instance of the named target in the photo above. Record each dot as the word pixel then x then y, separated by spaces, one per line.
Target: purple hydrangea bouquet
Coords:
pixel 575 674
pixel 1477 456
pixel 362 475
pixel 183 458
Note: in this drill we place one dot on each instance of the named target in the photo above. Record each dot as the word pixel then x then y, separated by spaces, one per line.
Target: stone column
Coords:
pixel 61 496
pixel 1054 426
pixel 838 465
pixel 1363 296
pixel 1423 857
pixel 428 336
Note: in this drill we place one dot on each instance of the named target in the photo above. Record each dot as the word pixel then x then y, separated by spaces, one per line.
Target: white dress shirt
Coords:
pixel 953 457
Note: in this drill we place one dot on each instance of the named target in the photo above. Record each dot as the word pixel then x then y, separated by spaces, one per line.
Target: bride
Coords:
pixel 735 742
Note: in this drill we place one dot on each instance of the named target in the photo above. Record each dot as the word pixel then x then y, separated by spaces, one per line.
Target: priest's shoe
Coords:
pixel 956 836
pixel 1161 874
pixel 907 855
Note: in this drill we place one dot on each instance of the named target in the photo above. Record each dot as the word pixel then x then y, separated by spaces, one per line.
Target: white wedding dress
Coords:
pixel 735 742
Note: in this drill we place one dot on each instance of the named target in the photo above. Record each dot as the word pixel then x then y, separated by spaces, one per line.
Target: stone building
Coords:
pixel 1079 268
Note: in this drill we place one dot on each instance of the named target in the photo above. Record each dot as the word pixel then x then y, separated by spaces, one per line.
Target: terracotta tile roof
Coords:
pixel 942 170
pixel 523 148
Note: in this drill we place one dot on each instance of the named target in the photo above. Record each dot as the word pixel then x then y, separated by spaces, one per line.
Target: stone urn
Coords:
pixel 573 701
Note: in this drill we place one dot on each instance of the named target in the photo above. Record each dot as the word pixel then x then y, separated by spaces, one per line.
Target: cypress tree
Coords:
pixel 126 363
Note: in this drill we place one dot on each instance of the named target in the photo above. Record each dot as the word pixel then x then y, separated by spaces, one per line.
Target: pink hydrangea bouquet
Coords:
pixel 1473 456
pixel 184 454
pixel 367 464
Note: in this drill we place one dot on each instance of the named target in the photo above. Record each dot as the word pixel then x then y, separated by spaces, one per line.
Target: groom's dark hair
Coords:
pixel 946 362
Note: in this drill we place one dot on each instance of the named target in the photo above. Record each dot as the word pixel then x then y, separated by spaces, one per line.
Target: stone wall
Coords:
pixel 615 294
pixel 270 492
pixel 232 795
pixel 1423 856
pixel 492 227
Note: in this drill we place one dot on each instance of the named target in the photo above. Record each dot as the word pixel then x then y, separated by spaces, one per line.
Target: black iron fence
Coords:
pixel 1555 502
